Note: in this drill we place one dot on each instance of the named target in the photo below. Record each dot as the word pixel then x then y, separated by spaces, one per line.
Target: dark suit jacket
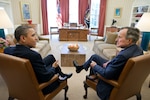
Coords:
pixel 38 65
pixel 36 60
pixel 114 68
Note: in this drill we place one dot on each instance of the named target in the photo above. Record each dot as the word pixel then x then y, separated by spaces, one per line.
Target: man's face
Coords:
pixel 121 39
pixel 31 38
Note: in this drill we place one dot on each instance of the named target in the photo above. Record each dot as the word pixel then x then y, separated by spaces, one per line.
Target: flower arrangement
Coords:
pixel 3 43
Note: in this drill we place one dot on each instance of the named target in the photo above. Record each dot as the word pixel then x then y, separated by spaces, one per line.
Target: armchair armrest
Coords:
pixel 101 39
pixel 45 84
pixel 43 38
pixel 111 82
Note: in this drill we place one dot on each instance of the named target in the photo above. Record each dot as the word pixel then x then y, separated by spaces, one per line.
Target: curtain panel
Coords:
pixel 64 9
pixel 83 6
pixel 102 13
pixel 44 17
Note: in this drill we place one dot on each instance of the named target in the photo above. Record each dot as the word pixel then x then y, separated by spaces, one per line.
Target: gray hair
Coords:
pixel 132 33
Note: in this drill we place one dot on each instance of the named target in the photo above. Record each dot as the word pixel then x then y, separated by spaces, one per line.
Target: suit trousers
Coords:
pixel 98 59
pixel 49 60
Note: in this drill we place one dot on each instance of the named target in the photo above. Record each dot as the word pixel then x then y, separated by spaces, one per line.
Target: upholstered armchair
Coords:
pixel 130 81
pixel 73 24
pixel 21 81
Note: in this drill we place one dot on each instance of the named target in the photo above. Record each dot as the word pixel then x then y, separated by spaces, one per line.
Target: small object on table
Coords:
pixel 73 47
pixel 30 21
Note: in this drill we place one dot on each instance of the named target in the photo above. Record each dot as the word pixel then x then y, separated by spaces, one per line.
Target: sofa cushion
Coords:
pixel 43 41
pixel 96 43
pixel 110 53
pixel 106 46
pixel 43 47
pixel 111 37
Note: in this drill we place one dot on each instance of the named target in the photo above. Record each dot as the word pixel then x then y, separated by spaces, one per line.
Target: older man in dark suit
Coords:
pixel 126 39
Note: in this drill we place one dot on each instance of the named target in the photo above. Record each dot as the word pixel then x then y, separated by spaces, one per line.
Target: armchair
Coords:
pixel 73 24
pixel 130 80
pixel 21 80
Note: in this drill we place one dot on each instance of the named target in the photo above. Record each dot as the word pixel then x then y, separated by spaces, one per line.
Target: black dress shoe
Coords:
pixel 65 77
pixel 91 77
pixel 68 75
pixel 78 68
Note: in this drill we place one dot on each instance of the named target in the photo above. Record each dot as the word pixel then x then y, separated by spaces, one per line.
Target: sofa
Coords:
pixel 106 46
pixel 42 45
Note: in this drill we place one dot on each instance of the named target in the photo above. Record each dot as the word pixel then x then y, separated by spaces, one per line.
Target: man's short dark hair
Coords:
pixel 21 30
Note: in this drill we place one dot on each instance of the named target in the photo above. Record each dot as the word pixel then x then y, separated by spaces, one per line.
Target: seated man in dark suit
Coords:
pixel 127 38
pixel 45 68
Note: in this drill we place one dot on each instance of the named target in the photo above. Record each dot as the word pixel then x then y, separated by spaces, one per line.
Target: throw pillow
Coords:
pixel 111 37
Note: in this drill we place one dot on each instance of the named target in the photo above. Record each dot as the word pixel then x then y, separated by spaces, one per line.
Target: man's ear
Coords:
pixel 130 40
pixel 22 38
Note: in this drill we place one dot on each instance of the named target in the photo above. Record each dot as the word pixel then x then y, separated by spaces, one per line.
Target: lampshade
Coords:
pixel 4 20
pixel 144 23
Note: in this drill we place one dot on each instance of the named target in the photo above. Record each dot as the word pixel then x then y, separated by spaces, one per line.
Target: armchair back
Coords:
pixel 21 81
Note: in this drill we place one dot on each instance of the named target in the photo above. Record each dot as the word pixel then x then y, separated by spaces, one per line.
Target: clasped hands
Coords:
pixel 93 63
pixel 55 64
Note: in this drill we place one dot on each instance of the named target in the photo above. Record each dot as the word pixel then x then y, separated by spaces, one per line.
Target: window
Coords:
pixel 94 14
pixel 52 13
pixel 73 11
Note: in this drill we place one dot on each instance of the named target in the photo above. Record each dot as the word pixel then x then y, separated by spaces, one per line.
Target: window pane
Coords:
pixel 73 11
pixel 52 12
pixel 94 14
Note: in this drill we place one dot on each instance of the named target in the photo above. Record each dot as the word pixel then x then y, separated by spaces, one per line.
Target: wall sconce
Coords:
pixel 144 26
pixel 4 22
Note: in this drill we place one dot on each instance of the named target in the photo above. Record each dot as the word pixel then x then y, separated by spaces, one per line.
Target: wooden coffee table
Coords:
pixel 67 56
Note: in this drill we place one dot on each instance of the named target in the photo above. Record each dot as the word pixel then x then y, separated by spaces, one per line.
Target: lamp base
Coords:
pixel 145 40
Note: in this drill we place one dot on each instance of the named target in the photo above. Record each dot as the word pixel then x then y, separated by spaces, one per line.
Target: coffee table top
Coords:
pixel 65 50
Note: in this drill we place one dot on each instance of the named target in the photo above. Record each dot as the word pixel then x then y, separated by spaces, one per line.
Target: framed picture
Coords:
pixel 25 11
pixel 117 12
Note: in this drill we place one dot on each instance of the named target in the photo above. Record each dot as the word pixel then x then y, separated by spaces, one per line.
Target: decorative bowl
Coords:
pixel 73 47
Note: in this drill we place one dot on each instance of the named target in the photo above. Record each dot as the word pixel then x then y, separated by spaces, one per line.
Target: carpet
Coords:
pixel 56 47
pixel 75 83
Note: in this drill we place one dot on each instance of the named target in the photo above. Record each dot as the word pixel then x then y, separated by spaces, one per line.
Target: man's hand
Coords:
pixel 105 64
pixel 93 63
pixel 55 64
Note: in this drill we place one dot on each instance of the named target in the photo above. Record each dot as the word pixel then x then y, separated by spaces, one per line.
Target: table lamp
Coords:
pixel 4 22
pixel 144 26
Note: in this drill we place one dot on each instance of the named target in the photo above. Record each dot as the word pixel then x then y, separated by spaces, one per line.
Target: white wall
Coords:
pixel 141 2
pixel 125 5
pixel 35 13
